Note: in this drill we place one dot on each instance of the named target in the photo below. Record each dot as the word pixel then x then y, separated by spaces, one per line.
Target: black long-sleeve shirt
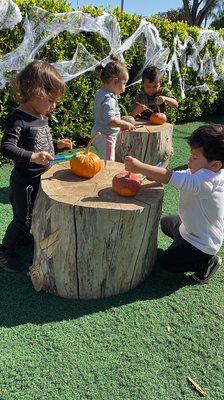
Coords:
pixel 23 135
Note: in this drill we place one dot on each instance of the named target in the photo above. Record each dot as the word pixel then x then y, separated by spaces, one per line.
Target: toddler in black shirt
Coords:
pixel 28 142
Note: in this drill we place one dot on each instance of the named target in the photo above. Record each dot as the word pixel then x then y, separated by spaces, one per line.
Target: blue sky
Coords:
pixel 141 7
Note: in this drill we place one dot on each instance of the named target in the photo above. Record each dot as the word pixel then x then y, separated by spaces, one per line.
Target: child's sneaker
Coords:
pixel 213 265
pixel 10 262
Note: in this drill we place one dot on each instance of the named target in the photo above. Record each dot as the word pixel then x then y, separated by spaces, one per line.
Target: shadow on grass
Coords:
pixel 20 304
pixel 4 195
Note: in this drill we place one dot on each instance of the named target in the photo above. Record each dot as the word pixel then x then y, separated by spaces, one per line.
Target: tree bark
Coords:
pixel 204 12
pixel 90 242
pixel 187 11
pixel 194 16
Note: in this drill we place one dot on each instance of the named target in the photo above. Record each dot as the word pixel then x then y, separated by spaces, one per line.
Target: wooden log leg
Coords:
pixel 122 253
pixel 149 146
pixel 90 242
pixel 83 252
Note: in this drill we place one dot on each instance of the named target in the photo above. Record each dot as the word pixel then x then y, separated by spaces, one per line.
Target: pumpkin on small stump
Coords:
pixel 158 118
pixel 85 163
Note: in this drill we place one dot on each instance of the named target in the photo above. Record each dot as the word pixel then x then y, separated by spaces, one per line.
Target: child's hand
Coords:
pixel 127 126
pixel 132 164
pixel 41 157
pixel 64 144
pixel 160 100
pixel 140 107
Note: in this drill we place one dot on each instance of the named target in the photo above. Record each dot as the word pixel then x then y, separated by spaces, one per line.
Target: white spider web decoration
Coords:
pixel 40 26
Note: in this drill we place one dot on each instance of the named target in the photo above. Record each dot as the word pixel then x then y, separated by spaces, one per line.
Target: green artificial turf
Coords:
pixel 141 345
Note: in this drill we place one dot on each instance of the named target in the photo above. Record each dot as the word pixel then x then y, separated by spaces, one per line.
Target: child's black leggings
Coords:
pixel 181 256
pixel 22 195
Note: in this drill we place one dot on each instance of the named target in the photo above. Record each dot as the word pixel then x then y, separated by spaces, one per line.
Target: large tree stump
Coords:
pixel 149 143
pixel 90 242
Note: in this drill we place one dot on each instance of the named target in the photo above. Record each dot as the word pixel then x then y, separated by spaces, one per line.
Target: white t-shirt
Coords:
pixel 201 208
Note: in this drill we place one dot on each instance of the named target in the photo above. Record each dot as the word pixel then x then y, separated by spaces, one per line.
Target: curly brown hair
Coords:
pixel 38 78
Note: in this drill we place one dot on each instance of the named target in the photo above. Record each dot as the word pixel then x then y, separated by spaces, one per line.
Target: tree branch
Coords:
pixel 193 15
pixel 194 10
pixel 187 11
pixel 204 11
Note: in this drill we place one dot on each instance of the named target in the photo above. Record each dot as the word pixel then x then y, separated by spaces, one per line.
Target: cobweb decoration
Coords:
pixel 177 59
pixel 207 65
pixel 9 14
pixel 219 63
pixel 40 26
pixel 156 54
pixel 203 88
pixel 81 62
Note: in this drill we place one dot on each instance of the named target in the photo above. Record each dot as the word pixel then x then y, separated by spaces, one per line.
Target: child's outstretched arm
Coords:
pixel 170 101
pixel 138 109
pixel 161 175
pixel 119 123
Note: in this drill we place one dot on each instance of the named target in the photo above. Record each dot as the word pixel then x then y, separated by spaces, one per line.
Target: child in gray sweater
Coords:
pixel 107 119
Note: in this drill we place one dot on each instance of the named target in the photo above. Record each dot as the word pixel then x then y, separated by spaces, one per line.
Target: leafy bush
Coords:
pixel 73 116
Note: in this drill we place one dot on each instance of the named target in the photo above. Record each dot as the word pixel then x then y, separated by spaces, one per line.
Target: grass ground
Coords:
pixel 141 345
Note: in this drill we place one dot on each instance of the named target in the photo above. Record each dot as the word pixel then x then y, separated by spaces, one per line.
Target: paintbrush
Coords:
pixel 64 157
pixel 141 104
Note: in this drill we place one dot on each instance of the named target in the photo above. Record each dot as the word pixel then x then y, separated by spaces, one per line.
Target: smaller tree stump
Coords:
pixel 90 242
pixel 149 143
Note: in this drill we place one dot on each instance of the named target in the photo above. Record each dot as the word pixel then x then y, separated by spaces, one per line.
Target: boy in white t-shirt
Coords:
pixel 197 231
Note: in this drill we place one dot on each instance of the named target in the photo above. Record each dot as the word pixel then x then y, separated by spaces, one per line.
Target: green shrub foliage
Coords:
pixel 73 116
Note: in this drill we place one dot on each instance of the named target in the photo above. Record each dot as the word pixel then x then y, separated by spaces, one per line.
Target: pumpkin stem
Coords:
pixel 123 109
pixel 91 141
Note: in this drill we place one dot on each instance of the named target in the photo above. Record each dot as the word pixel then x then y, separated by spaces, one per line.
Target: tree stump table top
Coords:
pixel 148 143
pixel 60 184
pixel 147 127
pixel 89 241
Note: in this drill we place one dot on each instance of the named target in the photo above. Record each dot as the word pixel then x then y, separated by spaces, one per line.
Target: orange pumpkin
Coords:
pixel 157 118
pixel 85 163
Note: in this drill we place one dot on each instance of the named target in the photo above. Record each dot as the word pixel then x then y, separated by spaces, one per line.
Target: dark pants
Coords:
pixel 22 196
pixel 181 256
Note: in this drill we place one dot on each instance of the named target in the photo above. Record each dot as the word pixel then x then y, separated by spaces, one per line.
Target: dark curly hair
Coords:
pixel 152 73
pixel 211 139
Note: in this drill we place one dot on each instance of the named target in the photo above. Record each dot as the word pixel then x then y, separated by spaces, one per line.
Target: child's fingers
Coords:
pixel 141 105
pixel 69 144
pixel 160 100
pixel 128 159
pixel 49 156
pixel 42 157
pixel 65 143
pixel 131 127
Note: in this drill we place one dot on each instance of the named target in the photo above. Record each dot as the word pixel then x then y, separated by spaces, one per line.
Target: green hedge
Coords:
pixel 73 116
